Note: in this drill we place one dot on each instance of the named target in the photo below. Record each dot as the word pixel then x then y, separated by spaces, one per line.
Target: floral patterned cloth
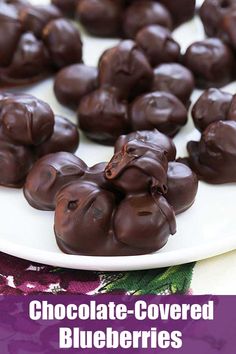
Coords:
pixel 18 276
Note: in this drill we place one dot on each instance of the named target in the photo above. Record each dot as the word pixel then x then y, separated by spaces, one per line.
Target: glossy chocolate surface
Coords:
pixel 160 110
pixel 101 18
pixel 63 42
pixel 65 137
pixel 158 45
pixel 214 158
pixel 181 10
pixel 182 186
pixel 103 117
pixel 28 129
pixel 125 67
pixel 211 61
pixel 74 82
pixel 174 78
pixel 212 106
pixel 34 41
pixel 151 137
pixel 143 13
pixel 67 7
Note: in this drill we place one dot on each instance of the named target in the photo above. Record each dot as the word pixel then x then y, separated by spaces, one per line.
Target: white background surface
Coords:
pixel 207 229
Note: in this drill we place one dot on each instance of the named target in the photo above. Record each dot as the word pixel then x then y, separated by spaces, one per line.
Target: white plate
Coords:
pixel 206 230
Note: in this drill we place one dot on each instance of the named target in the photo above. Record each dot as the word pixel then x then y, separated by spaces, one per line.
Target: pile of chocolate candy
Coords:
pixel 34 42
pixel 137 99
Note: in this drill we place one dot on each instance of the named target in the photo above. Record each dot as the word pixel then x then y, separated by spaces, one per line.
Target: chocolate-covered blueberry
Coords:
pixel 174 78
pixel 143 13
pixel 213 105
pixel 87 222
pixel 48 175
pixel 152 138
pixel 158 45
pixel 182 187
pixel 125 67
pixel 63 41
pixel 103 117
pixel 30 60
pixel 144 221
pixel 74 82
pixel 10 32
pixel 181 10
pixel 35 18
pixel 211 61
pixel 160 110
pixel 213 159
pixel 101 18
pixel 27 120
pixel 138 167
pixel 65 137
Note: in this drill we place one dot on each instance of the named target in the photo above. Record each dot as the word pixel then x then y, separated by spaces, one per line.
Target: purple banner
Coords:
pixel 127 324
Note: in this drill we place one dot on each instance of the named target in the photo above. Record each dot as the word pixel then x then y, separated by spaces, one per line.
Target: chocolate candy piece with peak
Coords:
pixel 63 42
pixel 158 45
pixel 151 137
pixel 125 67
pixel 103 117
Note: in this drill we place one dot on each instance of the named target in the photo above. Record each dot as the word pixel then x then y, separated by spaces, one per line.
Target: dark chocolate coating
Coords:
pixel 63 41
pixel 83 204
pixel 65 137
pixel 143 13
pixel 138 167
pixel 15 162
pixel 10 32
pixel 35 18
pixel 174 78
pixel 181 10
pixel 103 117
pixel 101 18
pixel 30 60
pixel 27 120
pixel 158 45
pixel 182 187
pixel 151 137
pixel 144 221
pixel 74 82
pixel 53 172
pixel 213 159
pixel 219 19
pixel 232 110
pixel 67 7
pixel 48 175
pixel 125 67
pixel 211 61
pixel 160 110
pixel 213 105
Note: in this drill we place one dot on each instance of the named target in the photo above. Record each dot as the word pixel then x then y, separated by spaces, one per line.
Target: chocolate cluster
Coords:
pixel 125 207
pixel 126 94
pixel 213 158
pixel 124 18
pixel 34 41
pixel 29 130
pixel 219 20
